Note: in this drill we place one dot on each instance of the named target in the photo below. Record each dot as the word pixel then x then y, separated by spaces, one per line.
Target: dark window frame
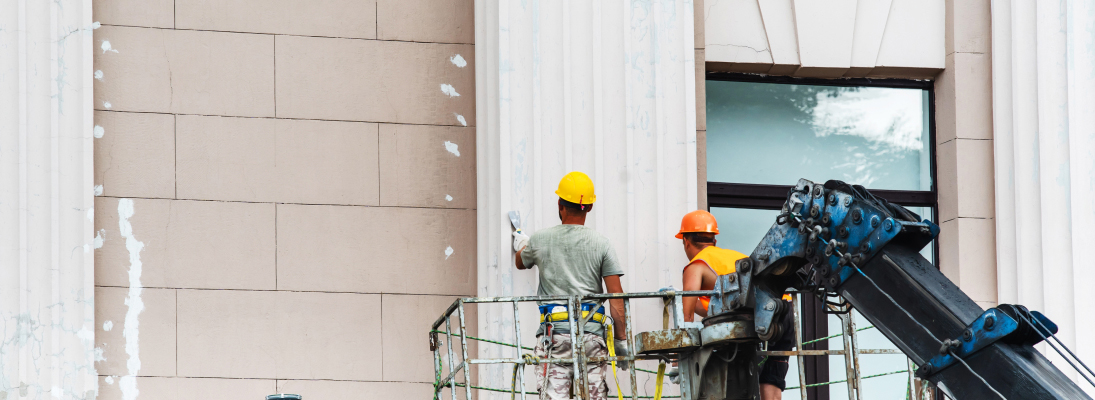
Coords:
pixel 772 197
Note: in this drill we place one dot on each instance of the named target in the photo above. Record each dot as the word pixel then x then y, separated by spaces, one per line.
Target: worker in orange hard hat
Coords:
pixel 706 263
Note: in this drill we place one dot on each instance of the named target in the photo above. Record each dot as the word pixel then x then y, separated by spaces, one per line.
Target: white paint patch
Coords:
pixel 57 392
pixel 448 252
pixel 100 237
pixel 130 330
pixel 461 119
pixel 106 104
pixel 452 148
pixel 99 74
pixel 98 131
pixel 458 61
pixel 109 380
pixel 106 47
pixel 98 190
pixel 91 214
pixel 449 90
pixel 108 325
pixel 448 198
pixel 95 25
pixel 99 354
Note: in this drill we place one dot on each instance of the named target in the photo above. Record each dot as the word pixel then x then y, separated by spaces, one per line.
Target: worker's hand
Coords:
pixel 674 375
pixel 520 240
pixel 621 351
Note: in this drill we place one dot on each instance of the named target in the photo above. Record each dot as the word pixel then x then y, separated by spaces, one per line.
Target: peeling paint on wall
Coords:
pixel 458 61
pixel 460 118
pixel 108 325
pixel 448 198
pixel 133 302
pixel 98 131
pixel 99 74
pixel 448 252
pixel 98 190
pixel 106 104
pixel 449 90
pixel 452 148
pixel 106 47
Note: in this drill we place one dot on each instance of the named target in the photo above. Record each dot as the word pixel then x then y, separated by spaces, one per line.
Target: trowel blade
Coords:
pixel 515 219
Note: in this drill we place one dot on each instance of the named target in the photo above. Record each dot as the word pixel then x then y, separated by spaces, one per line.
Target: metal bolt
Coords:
pixel 842 231
pixel 771 305
pixel 817 191
pixel 826 219
pixel 815 210
pixel 733 278
pixel 832 199
pixel 990 322
pixel 888 225
pixel 824 270
pixel 967 335
pixel 874 221
pixel 761 330
pixel 810 250
pixel 857 216
pixel 744 265
pixel 833 282
pixel 847 201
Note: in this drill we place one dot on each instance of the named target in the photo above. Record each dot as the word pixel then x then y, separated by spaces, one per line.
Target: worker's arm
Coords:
pixel 616 307
pixel 693 280
pixel 520 265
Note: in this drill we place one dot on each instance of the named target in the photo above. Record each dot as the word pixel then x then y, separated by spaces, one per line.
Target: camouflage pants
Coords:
pixel 559 375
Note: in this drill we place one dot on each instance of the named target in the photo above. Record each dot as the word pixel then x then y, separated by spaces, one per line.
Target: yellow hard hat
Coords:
pixel 576 188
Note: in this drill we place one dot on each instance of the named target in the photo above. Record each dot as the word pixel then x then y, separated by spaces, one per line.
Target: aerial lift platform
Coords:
pixel 850 249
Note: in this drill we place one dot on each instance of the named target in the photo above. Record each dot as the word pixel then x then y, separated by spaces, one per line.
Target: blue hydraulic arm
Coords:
pixel 840 242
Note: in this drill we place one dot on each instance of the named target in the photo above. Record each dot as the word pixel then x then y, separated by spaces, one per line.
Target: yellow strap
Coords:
pixel 563 317
pixel 612 353
pixel 658 383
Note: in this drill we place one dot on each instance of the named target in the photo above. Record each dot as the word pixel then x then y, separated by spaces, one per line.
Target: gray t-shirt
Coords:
pixel 572 259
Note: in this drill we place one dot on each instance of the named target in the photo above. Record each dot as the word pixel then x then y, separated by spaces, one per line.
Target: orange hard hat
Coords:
pixel 698 221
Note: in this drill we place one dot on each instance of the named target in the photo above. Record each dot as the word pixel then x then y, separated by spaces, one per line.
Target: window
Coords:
pixel 764 133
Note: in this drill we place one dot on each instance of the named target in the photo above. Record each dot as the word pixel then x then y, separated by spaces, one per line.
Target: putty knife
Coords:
pixel 515 219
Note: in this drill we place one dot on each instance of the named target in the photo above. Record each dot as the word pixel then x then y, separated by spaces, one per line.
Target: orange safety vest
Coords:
pixel 722 262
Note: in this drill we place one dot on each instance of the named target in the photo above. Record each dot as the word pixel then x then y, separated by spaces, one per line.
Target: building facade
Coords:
pixel 239 197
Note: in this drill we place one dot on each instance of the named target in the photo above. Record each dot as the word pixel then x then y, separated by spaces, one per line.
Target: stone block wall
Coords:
pixel 286 194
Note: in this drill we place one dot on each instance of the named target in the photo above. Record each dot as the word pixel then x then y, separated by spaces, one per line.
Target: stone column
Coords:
pixel 1043 94
pixel 607 88
pixel 46 271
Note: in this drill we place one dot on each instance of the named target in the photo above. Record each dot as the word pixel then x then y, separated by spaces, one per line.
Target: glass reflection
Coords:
pixel 767 133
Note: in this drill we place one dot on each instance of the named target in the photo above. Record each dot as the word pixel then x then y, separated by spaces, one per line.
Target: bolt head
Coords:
pixel 875 221
pixel 744 265
pixel 888 225
pixel 967 335
pixel 847 201
pixel 990 322
pixel 832 199
pixel 761 330
pixel 857 216
pixel 733 278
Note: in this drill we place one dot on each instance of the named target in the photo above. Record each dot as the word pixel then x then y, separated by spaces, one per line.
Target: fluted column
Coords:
pixel 1043 94
pixel 46 239
pixel 607 88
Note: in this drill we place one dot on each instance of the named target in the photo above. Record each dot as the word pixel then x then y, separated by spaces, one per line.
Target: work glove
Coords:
pixel 621 351
pixel 520 240
pixel 674 375
pixel 667 289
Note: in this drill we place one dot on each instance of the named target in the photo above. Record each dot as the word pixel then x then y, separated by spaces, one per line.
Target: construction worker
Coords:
pixel 706 263
pixel 573 259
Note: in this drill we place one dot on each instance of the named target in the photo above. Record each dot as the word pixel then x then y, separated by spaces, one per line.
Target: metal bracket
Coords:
pixel 992 326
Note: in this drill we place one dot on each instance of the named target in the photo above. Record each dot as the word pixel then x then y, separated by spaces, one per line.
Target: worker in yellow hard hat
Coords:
pixel 706 263
pixel 574 259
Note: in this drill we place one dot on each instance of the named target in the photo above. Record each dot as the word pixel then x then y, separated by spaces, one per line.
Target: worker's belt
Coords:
pixel 558 313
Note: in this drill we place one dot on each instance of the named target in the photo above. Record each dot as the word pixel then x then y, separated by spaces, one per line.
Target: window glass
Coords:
pixel 770 133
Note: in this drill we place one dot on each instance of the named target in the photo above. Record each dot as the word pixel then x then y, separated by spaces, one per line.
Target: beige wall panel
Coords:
pixel 779 26
pixel 150 13
pixel 189 244
pixel 965 173
pixel 698 24
pixel 335 18
pixel 187 72
pixel 334 390
pixel 701 91
pixel 156 324
pixel 407 319
pixel 701 173
pixel 376 249
pixel 136 155
pixel 824 32
pixel 968 256
pixel 870 21
pixel 275 160
pixel 426 166
pixel 973 33
pixel 288 335
pixel 190 388
pixel 437 21
pixel 378 81
pixel 963 98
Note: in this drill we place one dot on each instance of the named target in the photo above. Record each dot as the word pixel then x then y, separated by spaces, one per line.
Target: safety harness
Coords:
pixel 558 313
